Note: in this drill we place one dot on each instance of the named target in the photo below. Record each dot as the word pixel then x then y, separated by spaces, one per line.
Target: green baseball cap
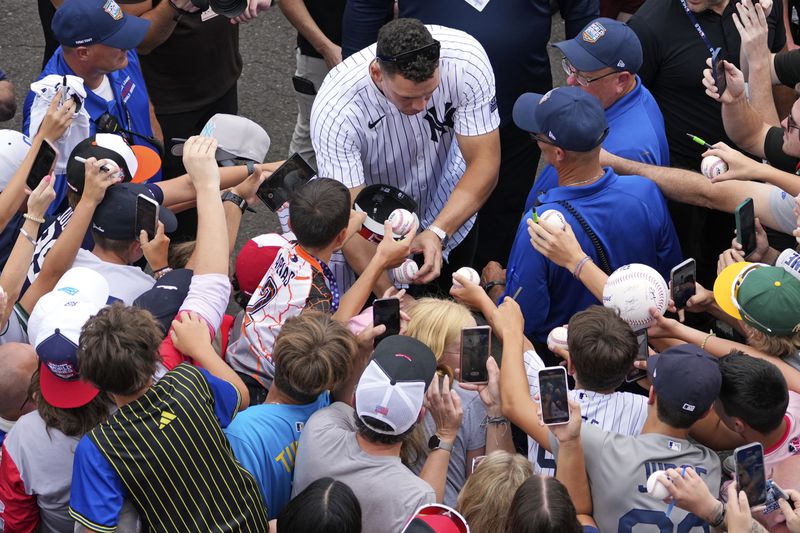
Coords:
pixel 769 298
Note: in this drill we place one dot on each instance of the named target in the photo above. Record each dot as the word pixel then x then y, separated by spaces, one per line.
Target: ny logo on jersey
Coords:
pixel 439 127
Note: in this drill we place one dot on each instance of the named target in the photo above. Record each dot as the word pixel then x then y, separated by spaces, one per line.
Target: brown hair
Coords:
pixel 71 422
pixel 178 254
pixel 542 505
pixel 602 348
pixel 118 349
pixel 776 345
pixel 115 246
pixel 486 497
pixel 312 353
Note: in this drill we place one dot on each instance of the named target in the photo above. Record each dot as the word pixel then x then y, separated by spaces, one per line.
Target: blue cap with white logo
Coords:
pixel 686 378
pixel 567 117
pixel 604 43
pixel 85 22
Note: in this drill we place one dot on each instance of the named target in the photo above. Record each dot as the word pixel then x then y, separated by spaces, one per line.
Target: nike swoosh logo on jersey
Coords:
pixel 372 125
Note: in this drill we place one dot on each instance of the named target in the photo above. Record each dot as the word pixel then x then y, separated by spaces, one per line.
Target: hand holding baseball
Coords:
pixel 690 492
pixel 740 167
pixel 392 253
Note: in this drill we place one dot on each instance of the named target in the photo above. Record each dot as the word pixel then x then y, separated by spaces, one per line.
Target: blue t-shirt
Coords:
pixel 635 131
pixel 264 440
pixel 630 218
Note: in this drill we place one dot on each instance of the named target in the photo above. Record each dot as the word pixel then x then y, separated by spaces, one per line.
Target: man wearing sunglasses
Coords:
pixel 603 60
pixel 417 111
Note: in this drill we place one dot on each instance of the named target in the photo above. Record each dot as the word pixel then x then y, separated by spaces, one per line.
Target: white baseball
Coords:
pixel 655 488
pixel 712 166
pixel 404 274
pixel 558 337
pixel 632 290
pixel 402 221
pixel 470 273
pixel 553 219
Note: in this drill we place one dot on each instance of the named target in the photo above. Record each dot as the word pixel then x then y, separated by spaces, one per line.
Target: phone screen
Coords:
pixel 278 188
pixel 42 165
pixel 474 353
pixel 636 374
pixel 553 395
pixel 386 311
pixel 750 475
pixel 746 226
pixel 718 69
pixel 146 216
pixel 683 282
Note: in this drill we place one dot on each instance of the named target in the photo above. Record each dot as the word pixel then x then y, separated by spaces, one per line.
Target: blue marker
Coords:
pixel 671 505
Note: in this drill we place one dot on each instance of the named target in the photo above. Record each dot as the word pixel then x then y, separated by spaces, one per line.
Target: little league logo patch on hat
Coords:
pixel 113 9
pixel 208 129
pixel 593 33
pixel 545 97
pixel 64 371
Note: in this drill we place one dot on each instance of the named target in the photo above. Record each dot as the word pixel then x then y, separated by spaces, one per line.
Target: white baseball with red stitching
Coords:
pixel 404 274
pixel 402 221
pixel 470 273
pixel 558 338
pixel 553 219
pixel 712 166
pixel 632 290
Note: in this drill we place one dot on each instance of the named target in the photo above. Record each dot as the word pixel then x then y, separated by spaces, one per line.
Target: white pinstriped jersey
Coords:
pixel 360 138
pixel 619 412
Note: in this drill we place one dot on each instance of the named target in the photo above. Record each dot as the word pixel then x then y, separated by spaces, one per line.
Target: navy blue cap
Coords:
pixel 604 43
pixel 164 300
pixel 686 378
pixel 115 217
pixel 85 22
pixel 570 117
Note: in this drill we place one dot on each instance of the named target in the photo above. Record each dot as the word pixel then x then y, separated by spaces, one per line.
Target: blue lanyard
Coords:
pixel 334 287
pixel 697 27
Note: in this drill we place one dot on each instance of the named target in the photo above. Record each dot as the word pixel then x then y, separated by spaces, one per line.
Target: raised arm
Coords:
pixel 751 23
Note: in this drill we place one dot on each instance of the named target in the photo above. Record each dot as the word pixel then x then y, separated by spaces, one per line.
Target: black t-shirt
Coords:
pixel 773 150
pixel 787 67
pixel 328 16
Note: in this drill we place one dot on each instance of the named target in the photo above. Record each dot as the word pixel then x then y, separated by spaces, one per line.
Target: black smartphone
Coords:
pixel 553 395
pixel 745 216
pixel 750 473
pixel 278 188
pixel 718 71
pixel 636 374
pixel 475 344
pixel 386 311
pixel 683 278
pixel 146 216
pixel 43 164
pixel 303 85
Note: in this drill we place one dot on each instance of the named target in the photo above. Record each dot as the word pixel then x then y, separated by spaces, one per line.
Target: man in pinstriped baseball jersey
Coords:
pixel 417 111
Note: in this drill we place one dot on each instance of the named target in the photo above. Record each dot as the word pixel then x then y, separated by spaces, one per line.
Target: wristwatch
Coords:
pixel 235 199
pixel 442 234
pixel 435 443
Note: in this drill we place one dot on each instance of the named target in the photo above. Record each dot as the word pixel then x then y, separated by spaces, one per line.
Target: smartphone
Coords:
pixel 718 71
pixel 386 311
pixel 278 188
pixel 303 85
pixel 636 374
pixel 750 474
pixel 745 216
pixel 778 493
pixel 475 344
pixel 683 278
pixel 43 164
pixel 553 395
pixel 146 216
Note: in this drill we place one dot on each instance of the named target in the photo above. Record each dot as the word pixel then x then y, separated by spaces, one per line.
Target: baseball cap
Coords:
pixel 54 329
pixel 766 298
pixel 166 297
pixel 237 138
pixel 436 518
pixel 86 22
pixel 115 217
pixel 137 163
pixel 14 147
pixel 254 259
pixel 392 387
pixel 378 201
pixel 604 42
pixel 685 377
pixel 570 117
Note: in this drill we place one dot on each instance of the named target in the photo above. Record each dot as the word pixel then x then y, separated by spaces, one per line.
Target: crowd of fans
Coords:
pixel 152 379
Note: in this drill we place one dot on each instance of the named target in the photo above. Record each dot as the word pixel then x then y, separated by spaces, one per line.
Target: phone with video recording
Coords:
pixel 636 374
pixel 279 187
pixel 745 216
pixel 718 71
pixel 386 311
pixel 682 278
pixel 146 216
pixel 750 473
pixel 475 344
pixel 553 395
pixel 43 164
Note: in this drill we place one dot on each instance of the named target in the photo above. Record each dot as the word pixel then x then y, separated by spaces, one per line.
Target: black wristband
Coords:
pixel 494 283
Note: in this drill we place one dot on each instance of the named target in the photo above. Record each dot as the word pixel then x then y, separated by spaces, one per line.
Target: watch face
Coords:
pixel 433 442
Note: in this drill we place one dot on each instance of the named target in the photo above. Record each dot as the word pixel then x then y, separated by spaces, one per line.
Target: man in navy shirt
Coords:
pixel 627 214
pixel 603 60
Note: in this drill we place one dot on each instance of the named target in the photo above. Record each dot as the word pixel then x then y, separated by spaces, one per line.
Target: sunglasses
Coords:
pixel 569 70
pixel 429 52
pixel 735 294
pixel 791 124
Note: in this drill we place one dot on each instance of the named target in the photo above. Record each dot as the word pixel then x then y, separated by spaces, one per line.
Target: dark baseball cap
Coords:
pixel 166 297
pixel 569 117
pixel 115 217
pixel 604 43
pixel 685 377
pixel 86 22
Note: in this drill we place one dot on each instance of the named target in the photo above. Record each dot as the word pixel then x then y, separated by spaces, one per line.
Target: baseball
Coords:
pixel 655 488
pixel 632 290
pixel 402 221
pixel 470 273
pixel 558 338
pixel 404 274
pixel 553 219
pixel 712 166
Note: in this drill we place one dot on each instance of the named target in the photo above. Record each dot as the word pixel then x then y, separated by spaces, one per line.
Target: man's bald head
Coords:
pixel 17 363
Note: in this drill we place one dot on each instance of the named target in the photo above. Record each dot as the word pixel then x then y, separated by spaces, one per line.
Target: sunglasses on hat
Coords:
pixel 735 294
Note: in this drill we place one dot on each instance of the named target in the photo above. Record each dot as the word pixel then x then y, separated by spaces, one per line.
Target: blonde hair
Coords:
pixel 775 345
pixel 436 322
pixel 486 497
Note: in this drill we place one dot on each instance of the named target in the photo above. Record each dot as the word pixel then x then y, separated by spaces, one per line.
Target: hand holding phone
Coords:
pixel 386 311
pixel 278 188
pixel 475 344
pixel 635 374
pixel 745 216
pixel 146 216
pixel 682 280
pixel 718 71
pixel 43 164
pixel 553 395
pixel 750 473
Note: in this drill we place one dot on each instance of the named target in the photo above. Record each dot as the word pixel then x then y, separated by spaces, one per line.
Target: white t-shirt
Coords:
pixel 125 282
pixel 104 90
